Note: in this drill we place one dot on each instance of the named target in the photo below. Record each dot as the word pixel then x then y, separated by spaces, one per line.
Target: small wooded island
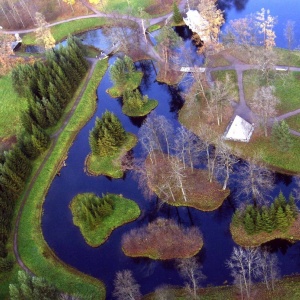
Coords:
pixel 256 225
pixel 97 217
pixel 109 144
pixel 124 76
pixel 162 239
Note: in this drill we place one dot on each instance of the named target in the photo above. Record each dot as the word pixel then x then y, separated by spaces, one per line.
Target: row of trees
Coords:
pixel 279 215
pixel 247 266
pixel 16 164
pixel 107 136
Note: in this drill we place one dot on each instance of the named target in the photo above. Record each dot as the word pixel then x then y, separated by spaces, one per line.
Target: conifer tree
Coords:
pixel 293 206
pixel 40 139
pixel 281 136
pixel 268 224
pixel 177 17
pixel 281 219
pixel 259 222
pixel 249 224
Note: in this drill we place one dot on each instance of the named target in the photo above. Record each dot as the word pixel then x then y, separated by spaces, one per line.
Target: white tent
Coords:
pixel 197 24
pixel 239 130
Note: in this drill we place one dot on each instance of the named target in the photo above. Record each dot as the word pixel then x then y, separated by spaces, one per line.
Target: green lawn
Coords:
pixel 110 165
pixel 32 247
pixel 61 31
pixel 125 211
pixel 287 89
pixel 294 122
pixel 11 106
pixel 288 58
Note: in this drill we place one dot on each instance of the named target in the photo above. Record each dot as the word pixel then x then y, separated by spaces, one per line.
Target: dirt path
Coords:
pixel 37 173
pixel 242 109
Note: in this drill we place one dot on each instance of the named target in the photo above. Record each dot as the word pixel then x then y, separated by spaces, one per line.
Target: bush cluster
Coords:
pixel 279 215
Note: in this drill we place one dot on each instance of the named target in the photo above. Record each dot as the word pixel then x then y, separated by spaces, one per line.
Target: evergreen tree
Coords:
pixel 281 219
pixel 259 223
pixel 268 224
pixel 177 17
pixel 249 224
pixel 293 206
pixel 40 139
pixel 281 136
pixel 289 214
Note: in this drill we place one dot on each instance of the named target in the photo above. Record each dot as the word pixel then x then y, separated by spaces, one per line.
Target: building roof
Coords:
pixel 239 130
pixel 197 23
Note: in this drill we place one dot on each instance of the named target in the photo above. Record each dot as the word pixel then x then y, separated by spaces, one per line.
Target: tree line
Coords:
pixel 48 87
pixel 279 215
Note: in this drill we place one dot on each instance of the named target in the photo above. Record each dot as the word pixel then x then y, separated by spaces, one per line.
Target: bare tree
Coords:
pixel 179 176
pixel 225 162
pixel 265 24
pixel 268 270
pixel 126 287
pixel 243 265
pixel 214 16
pixel 255 182
pixel 155 134
pixel 208 138
pixel 264 104
pixel 220 95
pixel 187 147
pixel 43 32
pixel 190 269
pixel 296 190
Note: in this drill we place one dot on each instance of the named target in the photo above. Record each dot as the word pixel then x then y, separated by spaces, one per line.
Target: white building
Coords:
pixel 197 24
pixel 239 130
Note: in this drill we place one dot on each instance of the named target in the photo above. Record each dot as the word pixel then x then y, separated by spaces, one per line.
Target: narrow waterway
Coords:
pixel 103 262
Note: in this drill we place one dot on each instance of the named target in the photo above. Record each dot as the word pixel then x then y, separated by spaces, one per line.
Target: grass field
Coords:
pixel 11 106
pixel 61 31
pixel 287 89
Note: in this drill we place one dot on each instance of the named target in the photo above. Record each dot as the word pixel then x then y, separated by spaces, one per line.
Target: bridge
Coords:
pixel 192 69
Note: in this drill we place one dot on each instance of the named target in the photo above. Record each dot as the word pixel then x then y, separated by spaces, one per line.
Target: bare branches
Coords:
pixel 190 269
pixel 248 264
pixel 255 182
pixel 264 104
pixel 126 287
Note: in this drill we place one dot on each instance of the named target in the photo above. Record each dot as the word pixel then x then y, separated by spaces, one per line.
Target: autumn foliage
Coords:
pixel 162 239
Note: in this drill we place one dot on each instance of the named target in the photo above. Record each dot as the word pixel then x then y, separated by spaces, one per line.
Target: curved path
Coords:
pixel 241 108
pixel 37 173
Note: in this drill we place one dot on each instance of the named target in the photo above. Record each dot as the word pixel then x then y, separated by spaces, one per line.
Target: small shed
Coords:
pixel 197 24
pixel 239 130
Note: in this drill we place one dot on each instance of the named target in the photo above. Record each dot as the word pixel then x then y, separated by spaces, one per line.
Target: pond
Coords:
pixel 103 262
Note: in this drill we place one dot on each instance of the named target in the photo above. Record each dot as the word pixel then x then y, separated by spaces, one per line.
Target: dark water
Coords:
pixel 103 262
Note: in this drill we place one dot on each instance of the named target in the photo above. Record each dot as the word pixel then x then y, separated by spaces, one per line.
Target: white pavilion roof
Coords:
pixel 239 130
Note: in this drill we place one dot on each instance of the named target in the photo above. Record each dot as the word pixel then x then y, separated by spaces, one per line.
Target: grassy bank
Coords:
pixel 61 31
pixel 11 106
pixel 125 211
pixel 33 249
pixel 287 288
pixel 110 165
